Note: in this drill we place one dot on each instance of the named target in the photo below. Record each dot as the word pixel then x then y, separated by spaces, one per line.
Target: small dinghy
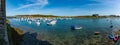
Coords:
pixel 116 38
pixel 97 33
pixel 111 36
pixel 76 27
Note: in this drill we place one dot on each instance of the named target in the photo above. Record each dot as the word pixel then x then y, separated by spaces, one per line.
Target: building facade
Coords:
pixel 3 31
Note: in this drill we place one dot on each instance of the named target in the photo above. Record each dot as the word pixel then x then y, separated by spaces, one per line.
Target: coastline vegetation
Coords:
pixel 52 16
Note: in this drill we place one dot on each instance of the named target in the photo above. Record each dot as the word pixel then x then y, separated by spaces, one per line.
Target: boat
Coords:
pixel 111 26
pixel 52 22
pixel 97 33
pixel 29 22
pixel 38 23
pixel 76 27
pixel 116 37
pixel 111 36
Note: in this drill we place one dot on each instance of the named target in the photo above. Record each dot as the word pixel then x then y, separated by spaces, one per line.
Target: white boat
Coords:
pixel 38 23
pixel 52 22
pixel 29 22
pixel 76 27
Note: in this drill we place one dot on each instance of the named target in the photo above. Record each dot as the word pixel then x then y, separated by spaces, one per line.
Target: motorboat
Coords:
pixel 53 22
pixel 38 23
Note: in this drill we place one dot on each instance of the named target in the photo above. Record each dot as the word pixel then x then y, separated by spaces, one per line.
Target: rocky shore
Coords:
pixel 18 37
pixel 14 34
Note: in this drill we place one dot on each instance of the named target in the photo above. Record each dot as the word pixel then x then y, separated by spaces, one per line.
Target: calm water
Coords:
pixel 61 33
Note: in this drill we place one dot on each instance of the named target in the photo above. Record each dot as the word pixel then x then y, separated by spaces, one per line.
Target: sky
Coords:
pixel 62 7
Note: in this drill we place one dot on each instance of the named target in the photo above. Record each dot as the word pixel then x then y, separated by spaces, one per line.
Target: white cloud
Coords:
pixel 40 3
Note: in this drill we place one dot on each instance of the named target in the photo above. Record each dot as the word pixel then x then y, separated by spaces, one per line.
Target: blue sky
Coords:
pixel 62 7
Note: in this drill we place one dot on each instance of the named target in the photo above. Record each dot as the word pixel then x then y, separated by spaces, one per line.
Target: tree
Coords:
pixel 95 15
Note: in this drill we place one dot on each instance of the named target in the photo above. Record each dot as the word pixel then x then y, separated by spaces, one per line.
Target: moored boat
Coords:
pixel 52 22
pixel 76 27
pixel 29 22
pixel 38 23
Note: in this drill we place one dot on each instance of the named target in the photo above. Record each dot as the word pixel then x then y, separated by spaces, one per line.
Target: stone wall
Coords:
pixel 3 32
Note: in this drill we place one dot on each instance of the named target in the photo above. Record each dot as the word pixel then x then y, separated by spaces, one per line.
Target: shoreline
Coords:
pixel 52 16
pixel 14 34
